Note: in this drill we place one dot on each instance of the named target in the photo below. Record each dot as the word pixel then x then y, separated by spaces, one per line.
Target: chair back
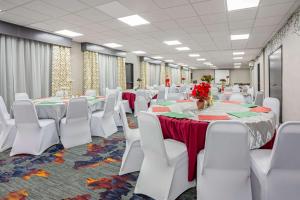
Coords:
pixel 126 128
pixel 113 91
pixel 91 93
pixel 21 96
pixel 77 109
pixel 236 89
pixel 109 107
pixel 237 97
pixel 2 120
pixel 3 109
pixel 226 147
pixel 175 96
pixel 161 94
pixel 152 140
pixel 227 89
pixel 140 104
pixel 285 154
pixel 25 113
pixel 259 98
pixel 274 104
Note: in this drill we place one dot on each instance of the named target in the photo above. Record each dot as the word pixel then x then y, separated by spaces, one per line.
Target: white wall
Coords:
pixel 198 73
pixel 134 59
pixel 77 68
pixel 239 76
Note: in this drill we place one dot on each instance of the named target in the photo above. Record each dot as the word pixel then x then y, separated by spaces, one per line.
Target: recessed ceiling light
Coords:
pixel 237 67
pixel 194 55
pixel 134 20
pixel 241 4
pixel 68 33
pixel 208 63
pixel 201 59
pixel 170 60
pixel 238 53
pixel 184 65
pixel 214 66
pixel 113 45
pixel 172 42
pixel 237 58
pixel 157 57
pixel 139 52
pixel 183 48
pixel 239 37
pixel 237 63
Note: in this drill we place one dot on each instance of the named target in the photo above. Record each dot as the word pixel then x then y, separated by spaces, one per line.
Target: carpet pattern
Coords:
pixel 81 173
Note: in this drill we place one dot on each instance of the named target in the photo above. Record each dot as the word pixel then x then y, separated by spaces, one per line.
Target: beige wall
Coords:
pixel 239 76
pixel 198 73
pixel 77 68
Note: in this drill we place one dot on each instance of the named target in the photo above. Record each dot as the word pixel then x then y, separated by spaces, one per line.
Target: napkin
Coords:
pixel 243 114
pixel 161 109
pixel 261 109
pixel 213 117
pixel 176 115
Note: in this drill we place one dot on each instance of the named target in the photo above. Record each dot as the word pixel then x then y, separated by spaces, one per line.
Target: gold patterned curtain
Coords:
pixel 143 74
pixel 61 69
pixel 162 73
pixel 121 73
pixel 90 71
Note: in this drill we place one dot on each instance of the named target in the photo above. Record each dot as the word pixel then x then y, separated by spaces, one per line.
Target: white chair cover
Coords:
pixel 133 155
pixel 102 122
pixel 259 98
pixel 276 173
pixel 4 109
pixel 175 96
pixel 237 97
pixel 21 96
pixel 236 89
pixel 7 130
pixel 34 136
pixel 75 127
pixel 274 104
pixel 164 172
pixel 140 104
pixel 224 166
pixel 91 93
pixel 61 93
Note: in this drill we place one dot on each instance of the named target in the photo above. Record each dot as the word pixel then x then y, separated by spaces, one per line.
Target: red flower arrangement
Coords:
pixel 167 82
pixel 201 91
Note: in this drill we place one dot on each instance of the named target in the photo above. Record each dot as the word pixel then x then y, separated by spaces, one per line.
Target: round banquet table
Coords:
pixel 131 94
pixel 192 131
pixel 56 107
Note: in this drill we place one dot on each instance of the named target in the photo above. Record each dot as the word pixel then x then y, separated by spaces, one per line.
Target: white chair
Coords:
pixel 91 93
pixel 236 89
pixel 175 96
pixel 275 174
pixel 7 130
pixel 237 97
pixel 164 172
pixel 259 98
pixel 223 167
pixel 21 96
pixel 61 93
pixel 75 127
pixel 4 109
pixel 133 155
pixel 274 104
pixel 161 96
pixel 102 122
pixel 33 136
pixel 140 104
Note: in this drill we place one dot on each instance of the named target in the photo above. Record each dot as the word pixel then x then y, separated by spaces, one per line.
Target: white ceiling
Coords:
pixel 203 25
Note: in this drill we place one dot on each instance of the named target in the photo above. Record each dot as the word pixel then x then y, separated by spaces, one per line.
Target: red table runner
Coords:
pixel 131 98
pixel 192 133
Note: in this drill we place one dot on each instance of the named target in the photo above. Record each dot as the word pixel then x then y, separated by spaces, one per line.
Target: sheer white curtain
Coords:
pixel 175 75
pixel 25 66
pixel 108 69
pixel 154 74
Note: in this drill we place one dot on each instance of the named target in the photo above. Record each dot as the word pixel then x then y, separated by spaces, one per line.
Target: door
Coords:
pixel 275 76
pixel 258 77
pixel 129 75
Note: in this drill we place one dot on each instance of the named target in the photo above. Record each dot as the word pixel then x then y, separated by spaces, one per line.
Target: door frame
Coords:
pixel 281 103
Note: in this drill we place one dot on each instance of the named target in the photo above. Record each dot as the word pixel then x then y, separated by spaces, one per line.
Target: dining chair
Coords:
pixel 223 167
pixel 102 122
pixel 7 129
pixel 175 96
pixel 33 136
pixel 237 97
pixel 274 104
pixel 275 174
pixel 161 96
pixel 236 89
pixel 75 127
pixel 91 93
pixel 164 171
pixel 140 104
pixel 21 96
pixel 259 98
pixel 4 109
pixel 133 156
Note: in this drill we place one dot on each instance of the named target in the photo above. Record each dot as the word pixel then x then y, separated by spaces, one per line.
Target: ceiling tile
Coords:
pixel 140 6
pixel 168 4
pixel 268 21
pixel 214 18
pixel 115 9
pixel 181 12
pixel 273 10
pixel 210 7
pixel 69 5
pixel 240 15
pixel 93 15
pixel 47 9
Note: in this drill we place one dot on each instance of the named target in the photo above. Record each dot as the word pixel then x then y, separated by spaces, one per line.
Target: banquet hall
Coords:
pixel 149 99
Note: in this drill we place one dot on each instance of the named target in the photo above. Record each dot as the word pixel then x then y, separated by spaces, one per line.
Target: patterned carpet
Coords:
pixel 80 173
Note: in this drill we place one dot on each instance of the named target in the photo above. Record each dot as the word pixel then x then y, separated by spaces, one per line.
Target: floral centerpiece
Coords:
pixel 223 82
pixel 139 80
pixel 201 92
pixel 207 78
pixel 167 82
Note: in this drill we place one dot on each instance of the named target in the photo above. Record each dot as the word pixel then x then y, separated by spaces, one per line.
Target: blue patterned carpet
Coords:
pixel 80 173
